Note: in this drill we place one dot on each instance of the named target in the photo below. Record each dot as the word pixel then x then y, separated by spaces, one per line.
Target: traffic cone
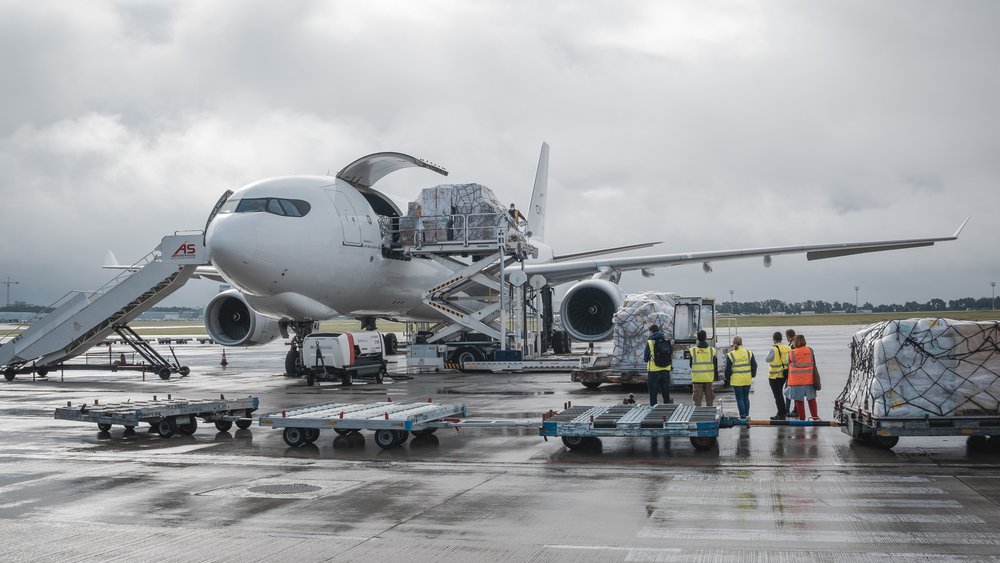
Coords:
pixel 224 362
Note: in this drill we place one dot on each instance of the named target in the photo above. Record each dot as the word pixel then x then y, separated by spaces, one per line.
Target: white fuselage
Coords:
pixel 324 263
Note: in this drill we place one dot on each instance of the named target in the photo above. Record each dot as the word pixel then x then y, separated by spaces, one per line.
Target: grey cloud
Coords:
pixel 785 122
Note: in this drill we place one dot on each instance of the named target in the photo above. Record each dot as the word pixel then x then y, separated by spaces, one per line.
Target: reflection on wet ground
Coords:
pixel 766 494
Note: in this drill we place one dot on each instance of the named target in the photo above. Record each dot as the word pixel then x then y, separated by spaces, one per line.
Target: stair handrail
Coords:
pixel 124 274
pixel 45 311
pixel 130 270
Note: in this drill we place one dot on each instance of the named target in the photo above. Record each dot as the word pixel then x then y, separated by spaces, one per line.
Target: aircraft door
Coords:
pixel 348 217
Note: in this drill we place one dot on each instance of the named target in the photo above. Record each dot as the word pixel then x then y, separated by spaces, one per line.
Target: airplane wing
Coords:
pixel 602 251
pixel 203 272
pixel 562 272
pixel 208 273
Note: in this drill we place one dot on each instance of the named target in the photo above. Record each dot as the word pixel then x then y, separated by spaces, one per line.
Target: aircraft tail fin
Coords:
pixel 536 211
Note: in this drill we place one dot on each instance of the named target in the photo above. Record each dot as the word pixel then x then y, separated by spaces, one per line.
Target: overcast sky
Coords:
pixel 706 125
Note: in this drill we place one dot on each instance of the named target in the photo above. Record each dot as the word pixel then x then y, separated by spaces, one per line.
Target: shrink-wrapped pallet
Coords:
pixel 631 326
pixel 921 367
pixel 444 209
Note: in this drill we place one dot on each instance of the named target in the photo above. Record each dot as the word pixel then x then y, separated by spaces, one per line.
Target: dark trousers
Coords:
pixel 777 388
pixel 657 382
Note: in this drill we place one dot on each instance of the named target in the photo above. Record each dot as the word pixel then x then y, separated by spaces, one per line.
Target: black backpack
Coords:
pixel 663 353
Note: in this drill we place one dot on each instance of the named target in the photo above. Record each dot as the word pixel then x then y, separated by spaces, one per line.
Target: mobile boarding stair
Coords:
pixel 81 319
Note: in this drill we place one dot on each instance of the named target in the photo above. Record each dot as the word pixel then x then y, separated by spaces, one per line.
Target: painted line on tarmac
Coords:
pixel 784 499
pixel 766 487
pixel 799 516
pixel 669 555
pixel 817 536
pixel 813 478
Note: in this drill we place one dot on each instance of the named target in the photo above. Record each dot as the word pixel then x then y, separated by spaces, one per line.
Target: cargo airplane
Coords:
pixel 301 249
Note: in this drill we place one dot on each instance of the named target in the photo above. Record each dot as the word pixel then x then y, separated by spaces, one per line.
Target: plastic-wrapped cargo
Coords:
pixel 443 209
pixel 631 326
pixel 920 367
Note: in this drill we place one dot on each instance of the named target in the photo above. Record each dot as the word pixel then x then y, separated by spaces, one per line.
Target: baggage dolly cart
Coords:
pixel 885 432
pixel 391 422
pixel 580 425
pixel 167 416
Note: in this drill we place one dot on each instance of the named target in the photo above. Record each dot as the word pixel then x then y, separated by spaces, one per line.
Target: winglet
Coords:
pixel 962 226
pixel 110 261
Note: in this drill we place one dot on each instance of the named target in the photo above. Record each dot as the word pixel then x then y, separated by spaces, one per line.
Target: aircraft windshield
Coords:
pixel 272 205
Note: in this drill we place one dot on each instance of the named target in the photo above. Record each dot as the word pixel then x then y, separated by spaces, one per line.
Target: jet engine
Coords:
pixel 588 307
pixel 231 322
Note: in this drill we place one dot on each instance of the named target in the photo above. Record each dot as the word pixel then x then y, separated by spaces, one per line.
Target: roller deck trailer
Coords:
pixel 392 422
pixel 579 425
pixel 886 431
pixel 167 416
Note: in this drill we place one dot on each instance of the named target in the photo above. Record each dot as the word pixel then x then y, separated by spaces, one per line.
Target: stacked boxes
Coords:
pixel 443 210
pixel 921 367
pixel 631 326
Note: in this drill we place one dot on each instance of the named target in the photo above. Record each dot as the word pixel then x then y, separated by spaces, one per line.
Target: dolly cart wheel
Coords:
pixel 104 426
pixel 311 434
pixel 166 427
pixel 343 431
pixel 223 425
pixel 184 370
pixel 244 424
pixel 885 442
pixel 9 374
pixel 424 431
pixel 702 443
pixel 380 375
pixel 401 437
pixel 164 373
pixel 386 439
pixel 574 442
pixel 294 437
pixel 189 428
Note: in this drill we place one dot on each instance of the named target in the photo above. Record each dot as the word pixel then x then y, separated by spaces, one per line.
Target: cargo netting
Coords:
pixel 631 326
pixel 925 367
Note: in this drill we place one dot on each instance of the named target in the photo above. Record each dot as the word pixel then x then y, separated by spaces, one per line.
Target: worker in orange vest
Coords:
pixel 801 388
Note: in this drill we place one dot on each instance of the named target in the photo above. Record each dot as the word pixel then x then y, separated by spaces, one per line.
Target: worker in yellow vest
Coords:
pixel 658 358
pixel 741 368
pixel 777 361
pixel 704 367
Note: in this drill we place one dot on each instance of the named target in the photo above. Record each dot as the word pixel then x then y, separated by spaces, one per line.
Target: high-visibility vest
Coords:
pixel 801 366
pixel 651 364
pixel 779 362
pixel 740 360
pixel 702 365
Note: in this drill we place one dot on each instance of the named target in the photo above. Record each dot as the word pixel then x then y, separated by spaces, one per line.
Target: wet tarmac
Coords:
pixel 71 493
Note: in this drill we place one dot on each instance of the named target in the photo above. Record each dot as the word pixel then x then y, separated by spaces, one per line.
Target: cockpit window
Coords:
pixel 229 206
pixel 273 205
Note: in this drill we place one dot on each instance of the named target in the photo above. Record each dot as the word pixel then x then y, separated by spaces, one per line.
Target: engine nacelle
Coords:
pixel 588 307
pixel 230 321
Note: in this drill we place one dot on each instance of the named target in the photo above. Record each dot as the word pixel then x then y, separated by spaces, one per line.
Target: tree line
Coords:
pixel 771 306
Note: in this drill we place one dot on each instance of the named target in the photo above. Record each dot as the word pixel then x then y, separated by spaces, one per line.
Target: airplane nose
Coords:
pixel 232 244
